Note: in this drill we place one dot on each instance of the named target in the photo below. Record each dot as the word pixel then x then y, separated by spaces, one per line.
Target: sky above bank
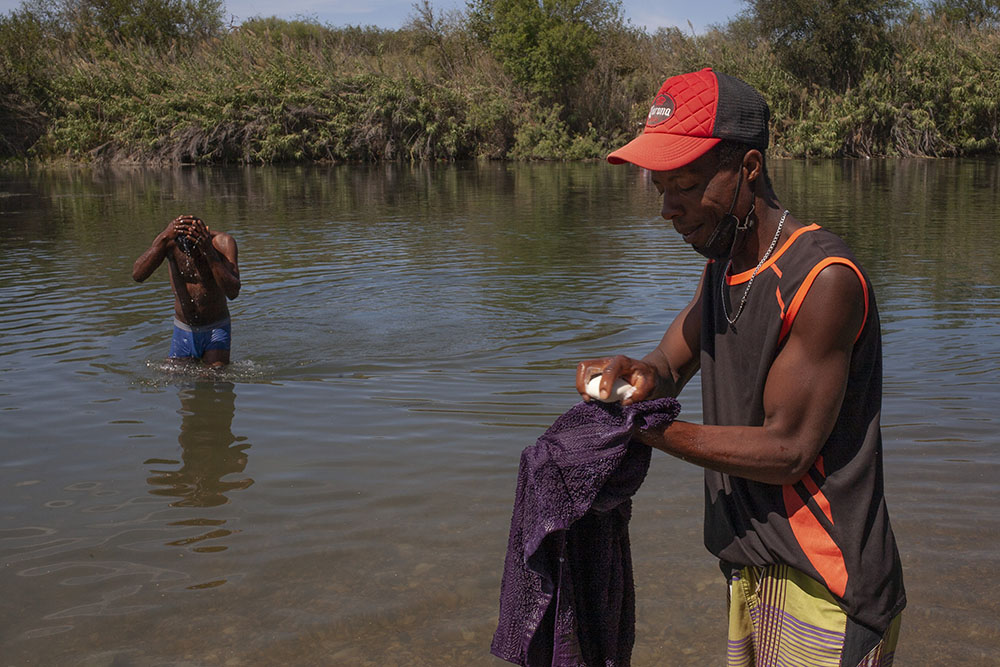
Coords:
pixel 648 14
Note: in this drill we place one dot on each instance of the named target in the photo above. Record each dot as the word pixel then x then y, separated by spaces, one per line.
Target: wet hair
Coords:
pixel 730 155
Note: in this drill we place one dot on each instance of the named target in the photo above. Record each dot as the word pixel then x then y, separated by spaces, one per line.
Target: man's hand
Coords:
pixel 177 227
pixel 639 374
pixel 200 234
pixel 193 229
pixel 175 232
pixel 192 234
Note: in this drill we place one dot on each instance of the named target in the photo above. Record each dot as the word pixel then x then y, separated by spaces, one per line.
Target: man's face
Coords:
pixel 695 199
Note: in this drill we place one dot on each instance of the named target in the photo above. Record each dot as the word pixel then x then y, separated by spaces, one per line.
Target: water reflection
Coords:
pixel 440 309
pixel 210 454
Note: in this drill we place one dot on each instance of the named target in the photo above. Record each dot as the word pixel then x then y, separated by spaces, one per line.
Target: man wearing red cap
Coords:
pixel 785 331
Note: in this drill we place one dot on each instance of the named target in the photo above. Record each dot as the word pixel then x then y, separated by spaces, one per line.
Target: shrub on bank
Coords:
pixel 445 88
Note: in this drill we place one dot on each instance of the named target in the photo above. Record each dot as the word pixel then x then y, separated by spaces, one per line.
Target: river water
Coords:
pixel 342 493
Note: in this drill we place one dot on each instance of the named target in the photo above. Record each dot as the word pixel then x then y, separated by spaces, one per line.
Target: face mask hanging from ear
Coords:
pixel 722 242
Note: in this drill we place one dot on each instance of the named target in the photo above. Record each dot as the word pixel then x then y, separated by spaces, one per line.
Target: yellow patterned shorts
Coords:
pixel 778 616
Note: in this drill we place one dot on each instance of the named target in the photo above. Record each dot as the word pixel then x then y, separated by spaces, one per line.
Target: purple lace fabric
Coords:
pixel 567 596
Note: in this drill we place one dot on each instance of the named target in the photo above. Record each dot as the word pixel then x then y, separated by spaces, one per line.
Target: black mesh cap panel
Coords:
pixel 742 113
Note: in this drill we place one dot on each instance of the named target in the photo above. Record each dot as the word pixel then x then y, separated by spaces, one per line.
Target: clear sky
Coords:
pixel 648 14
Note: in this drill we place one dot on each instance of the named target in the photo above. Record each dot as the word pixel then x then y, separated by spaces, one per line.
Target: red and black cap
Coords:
pixel 691 114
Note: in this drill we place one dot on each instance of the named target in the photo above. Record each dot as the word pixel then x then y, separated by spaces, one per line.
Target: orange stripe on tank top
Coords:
pixel 817 544
pixel 818 496
pixel 777 292
pixel 800 296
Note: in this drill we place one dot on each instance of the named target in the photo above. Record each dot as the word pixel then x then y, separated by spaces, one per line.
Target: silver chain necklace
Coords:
pixel 746 291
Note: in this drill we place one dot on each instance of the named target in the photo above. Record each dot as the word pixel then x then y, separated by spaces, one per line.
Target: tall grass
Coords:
pixel 274 91
pixel 258 98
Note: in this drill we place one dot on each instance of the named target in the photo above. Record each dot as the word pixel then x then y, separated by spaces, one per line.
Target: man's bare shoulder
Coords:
pixel 222 236
pixel 834 309
pixel 223 241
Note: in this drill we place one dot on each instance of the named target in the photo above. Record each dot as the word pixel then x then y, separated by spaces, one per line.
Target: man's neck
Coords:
pixel 759 238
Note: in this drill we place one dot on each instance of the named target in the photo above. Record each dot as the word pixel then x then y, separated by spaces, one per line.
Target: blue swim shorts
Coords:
pixel 193 341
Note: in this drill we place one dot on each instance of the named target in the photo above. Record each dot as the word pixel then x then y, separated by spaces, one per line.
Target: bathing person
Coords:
pixel 203 274
pixel 784 328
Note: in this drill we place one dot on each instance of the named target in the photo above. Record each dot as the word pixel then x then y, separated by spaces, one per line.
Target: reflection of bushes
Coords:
pixel 172 85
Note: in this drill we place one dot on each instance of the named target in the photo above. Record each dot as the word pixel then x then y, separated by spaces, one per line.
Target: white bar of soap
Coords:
pixel 620 390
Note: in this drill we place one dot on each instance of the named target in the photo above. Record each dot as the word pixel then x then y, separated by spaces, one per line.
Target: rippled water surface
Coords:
pixel 342 493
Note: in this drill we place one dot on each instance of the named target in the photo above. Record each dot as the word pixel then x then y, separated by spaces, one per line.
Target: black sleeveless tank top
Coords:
pixel 833 524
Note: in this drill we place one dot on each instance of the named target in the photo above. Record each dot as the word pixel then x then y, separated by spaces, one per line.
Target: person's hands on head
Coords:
pixel 183 231
pixel 641 375
pixel 175 228
pixel 200 234
pixel 191 233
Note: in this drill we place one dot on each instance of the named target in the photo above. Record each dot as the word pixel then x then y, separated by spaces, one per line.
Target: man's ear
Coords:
pixel 753 164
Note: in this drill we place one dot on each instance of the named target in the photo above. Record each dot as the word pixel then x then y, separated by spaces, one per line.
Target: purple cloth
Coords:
pixel 567 596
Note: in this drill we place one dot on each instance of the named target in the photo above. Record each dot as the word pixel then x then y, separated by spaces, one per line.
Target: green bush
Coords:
pixel 828 42
pixel 545 46
pixel 83 80
pixel 23 82
pixel 158 22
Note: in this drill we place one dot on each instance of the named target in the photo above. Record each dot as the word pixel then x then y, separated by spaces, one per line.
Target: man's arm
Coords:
pixel 662 372
pixel 802 396
pixel 150 260
pixel 225 264
pixel 218 255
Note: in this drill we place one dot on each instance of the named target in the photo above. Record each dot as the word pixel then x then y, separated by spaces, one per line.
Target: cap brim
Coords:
pixel 659 151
